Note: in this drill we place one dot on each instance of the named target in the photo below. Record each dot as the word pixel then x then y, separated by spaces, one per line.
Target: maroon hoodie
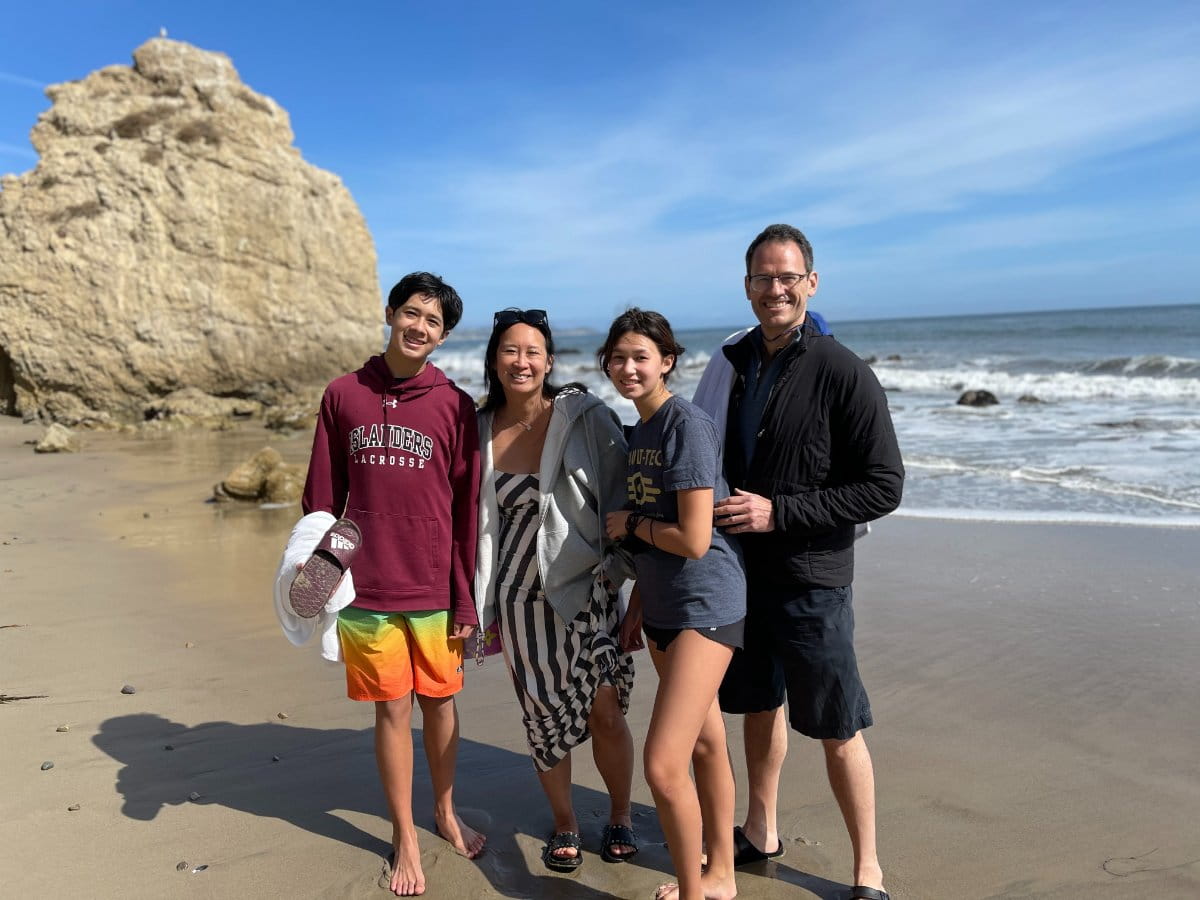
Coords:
pixel 401 458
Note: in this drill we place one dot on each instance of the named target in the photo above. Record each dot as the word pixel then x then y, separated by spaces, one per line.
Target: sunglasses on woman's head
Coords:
pixel 533 317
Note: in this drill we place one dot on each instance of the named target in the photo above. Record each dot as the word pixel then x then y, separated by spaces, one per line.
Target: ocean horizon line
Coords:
pixel 473 332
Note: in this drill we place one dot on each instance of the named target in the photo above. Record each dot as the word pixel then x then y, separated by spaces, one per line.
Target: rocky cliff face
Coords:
pixel 172 237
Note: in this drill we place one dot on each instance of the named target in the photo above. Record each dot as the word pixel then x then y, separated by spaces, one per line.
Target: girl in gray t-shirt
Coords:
pixel 690 597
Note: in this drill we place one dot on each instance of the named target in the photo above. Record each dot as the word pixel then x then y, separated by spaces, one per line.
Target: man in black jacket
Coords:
pixel 809 451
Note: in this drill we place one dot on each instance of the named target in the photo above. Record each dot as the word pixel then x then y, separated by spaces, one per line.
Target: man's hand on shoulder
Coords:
pixel 744 512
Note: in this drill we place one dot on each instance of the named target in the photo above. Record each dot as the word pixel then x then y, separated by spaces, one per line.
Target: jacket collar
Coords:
pixel 743 352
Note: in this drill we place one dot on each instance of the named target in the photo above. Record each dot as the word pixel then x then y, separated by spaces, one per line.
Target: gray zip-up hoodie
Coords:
pixel 581 478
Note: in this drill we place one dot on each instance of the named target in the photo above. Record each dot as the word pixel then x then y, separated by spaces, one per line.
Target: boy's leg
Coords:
pixel 440 717
pixel 375 649
pixel 394 755
pixel 437 677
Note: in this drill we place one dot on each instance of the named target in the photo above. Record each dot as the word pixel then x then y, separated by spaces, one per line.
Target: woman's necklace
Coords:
pixel 528 426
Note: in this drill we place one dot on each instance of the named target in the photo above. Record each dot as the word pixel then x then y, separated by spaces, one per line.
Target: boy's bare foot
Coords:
pixel 465 840
pixel 408 879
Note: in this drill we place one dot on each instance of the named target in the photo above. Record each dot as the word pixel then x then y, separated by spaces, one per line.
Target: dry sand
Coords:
pixel 1035 688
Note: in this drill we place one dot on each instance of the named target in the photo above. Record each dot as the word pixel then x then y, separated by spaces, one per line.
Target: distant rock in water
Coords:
pixel 1029 398
pixel 977 398
pixel 172 237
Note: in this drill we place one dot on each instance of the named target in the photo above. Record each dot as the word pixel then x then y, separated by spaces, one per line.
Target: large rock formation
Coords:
pixel 172 237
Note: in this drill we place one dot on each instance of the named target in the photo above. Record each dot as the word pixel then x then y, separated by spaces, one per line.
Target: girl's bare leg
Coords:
pixel 690 671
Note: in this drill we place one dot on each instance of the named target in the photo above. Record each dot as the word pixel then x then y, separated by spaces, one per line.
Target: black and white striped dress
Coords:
pixel 556 670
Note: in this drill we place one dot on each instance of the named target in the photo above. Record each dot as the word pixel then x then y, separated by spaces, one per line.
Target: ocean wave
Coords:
pixel 1043 517
pixel 1177 366
pixel 1076 479
pixel 1051 386
pixel 1081 479
pixel 1149 423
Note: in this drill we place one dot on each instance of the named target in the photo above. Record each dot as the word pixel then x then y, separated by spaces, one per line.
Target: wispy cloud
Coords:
pixel 20 152
pixel 10 78
pixel 938 156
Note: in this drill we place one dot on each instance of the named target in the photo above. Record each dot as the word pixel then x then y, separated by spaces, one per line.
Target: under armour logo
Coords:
pixel 392 402
pixel 338 542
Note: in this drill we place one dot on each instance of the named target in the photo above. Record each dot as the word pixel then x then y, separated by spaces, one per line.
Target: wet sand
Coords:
pixel 1034 687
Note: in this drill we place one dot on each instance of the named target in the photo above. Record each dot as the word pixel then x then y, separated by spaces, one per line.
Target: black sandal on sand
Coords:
pixel 745 853
pixel 615 835
pixel 859 892
pixel 561 841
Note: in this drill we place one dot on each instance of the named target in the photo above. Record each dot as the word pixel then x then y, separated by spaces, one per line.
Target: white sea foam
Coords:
pixel 1060 517
pixel 1114 440
pixel 1050 386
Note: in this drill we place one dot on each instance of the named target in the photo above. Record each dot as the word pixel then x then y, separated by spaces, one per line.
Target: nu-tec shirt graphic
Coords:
pixel 401 458
pixel 677 449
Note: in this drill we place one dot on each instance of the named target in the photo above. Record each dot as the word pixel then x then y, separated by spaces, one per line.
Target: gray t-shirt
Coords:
pixel 677 450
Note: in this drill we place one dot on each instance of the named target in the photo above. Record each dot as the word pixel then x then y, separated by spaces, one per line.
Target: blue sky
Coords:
pixel 942 157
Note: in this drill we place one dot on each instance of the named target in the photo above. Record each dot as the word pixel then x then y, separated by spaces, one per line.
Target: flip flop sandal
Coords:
pixel 617 836
pixel 561 841
pixel 859 892
pixel 745 853
pixel 316 582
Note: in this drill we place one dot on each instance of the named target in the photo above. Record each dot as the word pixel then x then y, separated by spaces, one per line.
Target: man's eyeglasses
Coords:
pixel 788 280
pixel 533 317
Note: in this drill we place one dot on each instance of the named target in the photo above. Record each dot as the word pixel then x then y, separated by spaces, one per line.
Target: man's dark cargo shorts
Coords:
pixel 799 643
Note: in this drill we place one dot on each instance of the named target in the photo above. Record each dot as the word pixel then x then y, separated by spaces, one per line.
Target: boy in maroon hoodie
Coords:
pixel 397 451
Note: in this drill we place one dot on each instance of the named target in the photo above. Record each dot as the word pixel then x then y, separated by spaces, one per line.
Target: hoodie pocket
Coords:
pixel 404 551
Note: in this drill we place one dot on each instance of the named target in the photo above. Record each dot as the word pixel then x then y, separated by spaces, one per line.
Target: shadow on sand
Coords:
pixel 321 772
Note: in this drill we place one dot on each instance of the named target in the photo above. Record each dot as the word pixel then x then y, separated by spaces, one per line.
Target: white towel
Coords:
pixel 712 393
pixel 306 534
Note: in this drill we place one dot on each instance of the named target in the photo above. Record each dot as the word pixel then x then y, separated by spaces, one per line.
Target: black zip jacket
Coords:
pixel 826 456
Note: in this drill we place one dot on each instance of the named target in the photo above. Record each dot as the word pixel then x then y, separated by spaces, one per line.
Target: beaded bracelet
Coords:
pixel 632 522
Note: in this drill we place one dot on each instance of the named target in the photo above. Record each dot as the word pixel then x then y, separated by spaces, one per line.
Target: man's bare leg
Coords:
pixel 440 719
pixel 852 777
pixel 766 741
pixel 394 756
pixel 612 750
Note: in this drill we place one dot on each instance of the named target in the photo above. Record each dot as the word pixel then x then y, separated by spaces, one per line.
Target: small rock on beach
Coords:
pixel 129 689
pixel 58 439
pixel 47 765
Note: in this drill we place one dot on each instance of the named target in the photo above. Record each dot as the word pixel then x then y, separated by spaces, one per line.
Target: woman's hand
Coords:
pixel 459 631
pixel 631 625
pixel 616 524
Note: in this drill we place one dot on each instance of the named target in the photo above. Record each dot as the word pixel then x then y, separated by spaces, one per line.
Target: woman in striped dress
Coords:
pixel 553 459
